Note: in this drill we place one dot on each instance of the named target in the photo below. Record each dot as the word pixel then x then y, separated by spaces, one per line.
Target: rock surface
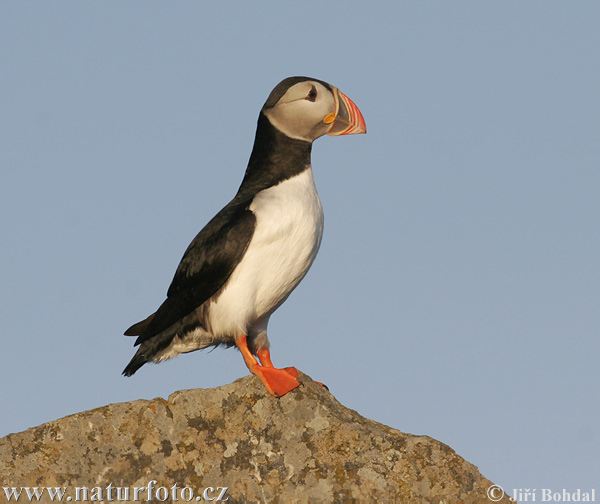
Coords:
pixel 304 447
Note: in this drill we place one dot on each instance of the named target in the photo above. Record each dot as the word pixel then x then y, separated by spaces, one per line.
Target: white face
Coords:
pixel 300 112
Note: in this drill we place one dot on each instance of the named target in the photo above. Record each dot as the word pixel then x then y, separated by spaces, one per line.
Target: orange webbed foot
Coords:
pixel 292 371
pixel 278 382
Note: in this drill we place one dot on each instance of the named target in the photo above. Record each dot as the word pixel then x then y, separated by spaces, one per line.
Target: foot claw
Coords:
pixel 323 385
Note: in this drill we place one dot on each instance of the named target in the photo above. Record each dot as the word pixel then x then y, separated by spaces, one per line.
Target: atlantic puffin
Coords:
pixel 248 259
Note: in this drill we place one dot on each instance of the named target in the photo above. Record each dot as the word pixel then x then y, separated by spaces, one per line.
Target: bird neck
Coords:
pixel 275 157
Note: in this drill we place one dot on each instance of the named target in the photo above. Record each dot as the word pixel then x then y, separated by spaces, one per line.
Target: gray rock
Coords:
pixel 304 447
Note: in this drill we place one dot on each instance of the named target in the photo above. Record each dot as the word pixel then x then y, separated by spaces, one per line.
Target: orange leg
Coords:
pixel 278 382
pixel 264 356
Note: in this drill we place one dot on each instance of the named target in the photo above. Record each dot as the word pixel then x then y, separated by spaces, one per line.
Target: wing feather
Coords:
pixel 205 267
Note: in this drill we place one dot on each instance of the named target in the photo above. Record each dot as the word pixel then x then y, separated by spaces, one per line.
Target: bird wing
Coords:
pixel 206 265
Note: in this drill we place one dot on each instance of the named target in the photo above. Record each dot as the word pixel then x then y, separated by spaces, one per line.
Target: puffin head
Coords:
pixel 305 109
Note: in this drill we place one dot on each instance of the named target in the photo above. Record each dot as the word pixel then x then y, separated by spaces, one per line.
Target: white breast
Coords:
pixel 289 226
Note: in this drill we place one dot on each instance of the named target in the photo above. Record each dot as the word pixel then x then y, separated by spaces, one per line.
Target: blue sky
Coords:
pixel 457 288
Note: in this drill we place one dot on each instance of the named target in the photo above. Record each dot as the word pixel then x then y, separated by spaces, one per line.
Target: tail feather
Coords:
pixel 140 327
pixel 136 363
pixel 149 351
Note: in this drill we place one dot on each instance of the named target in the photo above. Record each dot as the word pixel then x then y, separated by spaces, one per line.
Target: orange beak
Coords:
pixel 347 118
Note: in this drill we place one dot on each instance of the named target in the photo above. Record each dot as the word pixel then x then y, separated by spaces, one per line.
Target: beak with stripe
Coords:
pixel 347 118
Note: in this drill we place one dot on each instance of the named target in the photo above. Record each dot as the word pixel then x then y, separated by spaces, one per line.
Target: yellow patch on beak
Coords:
pixel 329 118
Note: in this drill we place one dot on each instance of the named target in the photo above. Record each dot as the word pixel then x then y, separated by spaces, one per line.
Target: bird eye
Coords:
pixel 312 94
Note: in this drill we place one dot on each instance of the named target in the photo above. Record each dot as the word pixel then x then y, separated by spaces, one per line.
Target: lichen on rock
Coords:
pixel 304 447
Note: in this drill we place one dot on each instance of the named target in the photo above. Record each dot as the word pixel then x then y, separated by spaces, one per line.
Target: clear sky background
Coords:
pixel 457 289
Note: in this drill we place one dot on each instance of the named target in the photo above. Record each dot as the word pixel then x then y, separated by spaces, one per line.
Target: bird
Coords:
pixel 253 253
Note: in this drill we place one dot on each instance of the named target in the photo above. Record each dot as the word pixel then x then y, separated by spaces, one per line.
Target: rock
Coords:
pixel 304 447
